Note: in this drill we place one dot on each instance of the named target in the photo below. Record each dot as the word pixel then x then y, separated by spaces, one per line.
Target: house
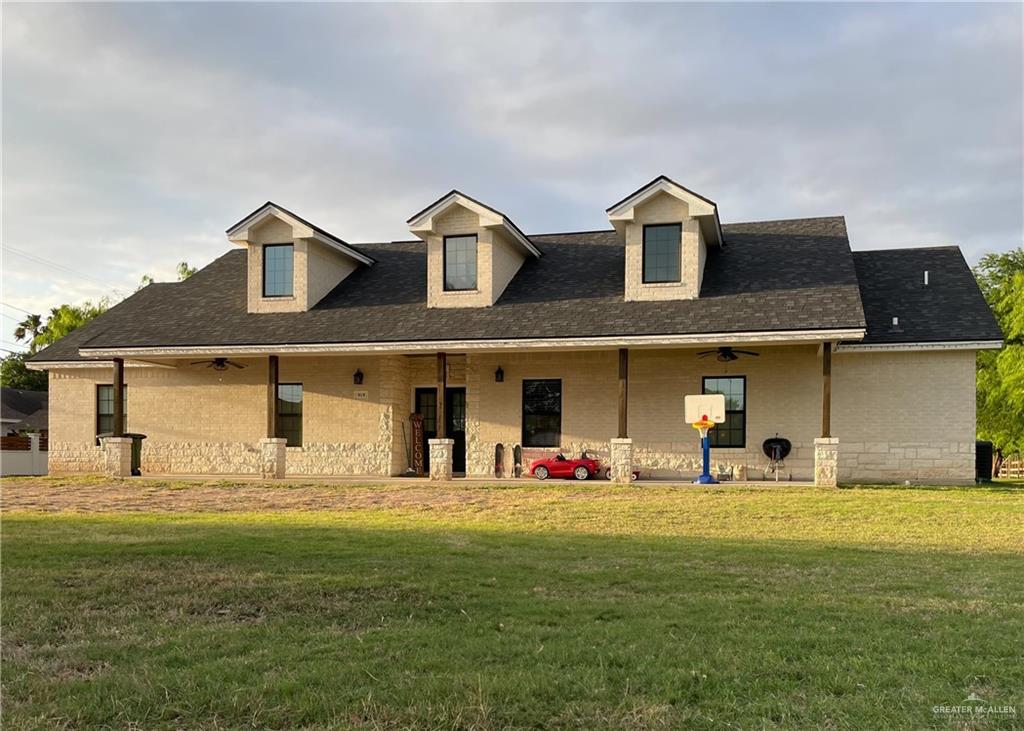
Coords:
pixel 23 411
pixel 298 353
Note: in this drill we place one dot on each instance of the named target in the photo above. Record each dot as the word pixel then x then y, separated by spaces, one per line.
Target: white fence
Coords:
pixel 1012 467
pixel 23 455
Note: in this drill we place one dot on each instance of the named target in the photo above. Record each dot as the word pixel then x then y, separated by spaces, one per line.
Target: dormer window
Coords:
pixel 663 253
pixel 473 251
pixel 667 231
pixel 278 270
pixel 459 263
pixel 291 264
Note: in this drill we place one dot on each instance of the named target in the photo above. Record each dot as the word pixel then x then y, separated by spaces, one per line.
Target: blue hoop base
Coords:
pixel 705 477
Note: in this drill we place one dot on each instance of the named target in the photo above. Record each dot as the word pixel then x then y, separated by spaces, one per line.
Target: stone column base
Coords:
pixel 273 454
pixel 441 458
pixel 621 461
pixel 826 461
pixel 117 456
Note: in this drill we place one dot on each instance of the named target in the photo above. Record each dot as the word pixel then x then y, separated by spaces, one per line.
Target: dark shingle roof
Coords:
pixel 28 407
pixel 777 275
pixel 950 308
pixel 773 275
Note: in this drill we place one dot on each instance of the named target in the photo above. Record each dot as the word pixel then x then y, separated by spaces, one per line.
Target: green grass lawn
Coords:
pixel 542 606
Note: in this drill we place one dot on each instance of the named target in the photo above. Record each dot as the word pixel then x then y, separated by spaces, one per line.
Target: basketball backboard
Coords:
pixel 701 407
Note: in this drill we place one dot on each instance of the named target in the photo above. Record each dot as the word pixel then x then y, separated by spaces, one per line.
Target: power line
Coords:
pixel 14 307
pixel 47 262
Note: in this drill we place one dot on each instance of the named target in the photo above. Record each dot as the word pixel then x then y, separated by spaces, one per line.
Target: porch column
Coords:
pixel 442 389
pixel 441 458
pixel 623 392
pixel 441 448
pixel 273 452
pixel 273 378
pixel 826 447
pixel 826 391
pixel 117 448
pixel 117 456
pixel 118 379
pixel 621 452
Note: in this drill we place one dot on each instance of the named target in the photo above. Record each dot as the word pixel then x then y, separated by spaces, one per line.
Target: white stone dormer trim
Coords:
pixel 422 223
pixel 703 209
pixel 301 229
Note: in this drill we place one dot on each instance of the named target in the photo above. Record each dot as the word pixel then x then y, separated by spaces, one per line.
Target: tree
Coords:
pixel 1000 391
pixel 185 271
pixel 66 318
pixel 14 374
pixel 29 329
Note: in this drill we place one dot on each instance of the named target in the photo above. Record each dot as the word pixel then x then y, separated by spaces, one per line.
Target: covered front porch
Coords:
pixel 444 414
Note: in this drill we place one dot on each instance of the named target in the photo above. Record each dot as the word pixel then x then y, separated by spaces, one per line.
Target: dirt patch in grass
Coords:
pixel 115 496
pixel 970 519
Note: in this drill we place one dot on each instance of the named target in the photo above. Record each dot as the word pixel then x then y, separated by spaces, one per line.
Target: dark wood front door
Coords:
pixel 455 416
pixel 426 406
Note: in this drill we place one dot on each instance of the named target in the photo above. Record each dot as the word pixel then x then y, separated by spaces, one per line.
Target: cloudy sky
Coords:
pixel 134 134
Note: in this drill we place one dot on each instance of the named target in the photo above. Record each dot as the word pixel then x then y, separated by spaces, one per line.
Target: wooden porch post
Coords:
pixel 623 392
pixel 826 390
pixel 442 390
pixel 118 430
pixel 273 377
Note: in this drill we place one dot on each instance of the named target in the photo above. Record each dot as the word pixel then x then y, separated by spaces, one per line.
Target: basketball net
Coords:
pixel 702 426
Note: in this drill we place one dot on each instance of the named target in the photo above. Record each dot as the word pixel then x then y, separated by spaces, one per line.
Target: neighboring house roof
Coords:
pixel 949 308
pixel 787 275
pixel 23 409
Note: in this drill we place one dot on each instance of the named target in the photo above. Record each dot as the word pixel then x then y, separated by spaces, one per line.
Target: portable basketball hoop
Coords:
pixel 703 412
pixel 702 426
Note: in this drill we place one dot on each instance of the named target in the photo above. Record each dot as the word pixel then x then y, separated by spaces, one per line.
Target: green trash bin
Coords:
pixel 136 453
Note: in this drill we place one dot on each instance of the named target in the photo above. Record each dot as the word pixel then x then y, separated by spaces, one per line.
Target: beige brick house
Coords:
pixel 298 353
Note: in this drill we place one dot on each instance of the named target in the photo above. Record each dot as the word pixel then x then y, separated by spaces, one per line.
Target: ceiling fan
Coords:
pixel 218 364
pixel 726 353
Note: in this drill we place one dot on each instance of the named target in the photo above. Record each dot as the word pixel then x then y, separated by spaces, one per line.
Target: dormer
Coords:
pixel 473 251
pixel 292 264
pixel 667 230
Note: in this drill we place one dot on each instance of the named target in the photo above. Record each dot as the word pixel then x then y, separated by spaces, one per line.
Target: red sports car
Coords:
pixel 562 466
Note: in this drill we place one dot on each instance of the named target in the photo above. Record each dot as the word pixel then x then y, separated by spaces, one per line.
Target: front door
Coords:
pixel 426 406
pixel 455 418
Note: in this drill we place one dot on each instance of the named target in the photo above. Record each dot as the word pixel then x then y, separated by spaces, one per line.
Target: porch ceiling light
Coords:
pixel 499 375
pixel 357 377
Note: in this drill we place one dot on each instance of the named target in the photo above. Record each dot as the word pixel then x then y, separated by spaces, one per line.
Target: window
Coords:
pixel 459 262
pixel 732 433
pixel 663 251
pixel 105 408
pixel 277 270
pixel 542 413
pixel 289 413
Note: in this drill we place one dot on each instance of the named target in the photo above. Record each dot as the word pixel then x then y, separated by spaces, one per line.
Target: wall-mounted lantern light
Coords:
pixel 499 375
pixel 357 377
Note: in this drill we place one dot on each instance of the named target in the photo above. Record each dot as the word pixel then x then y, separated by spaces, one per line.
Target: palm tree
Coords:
pixel 29 328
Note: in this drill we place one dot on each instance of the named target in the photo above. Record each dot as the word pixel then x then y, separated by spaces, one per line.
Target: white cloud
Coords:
pixel 135 134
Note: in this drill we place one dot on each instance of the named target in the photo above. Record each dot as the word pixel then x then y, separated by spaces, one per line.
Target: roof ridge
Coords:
pixel 787 220
pixel 578 233
pixel 952 247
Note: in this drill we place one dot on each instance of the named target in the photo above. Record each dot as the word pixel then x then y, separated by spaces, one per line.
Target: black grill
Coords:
pixel 776 448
